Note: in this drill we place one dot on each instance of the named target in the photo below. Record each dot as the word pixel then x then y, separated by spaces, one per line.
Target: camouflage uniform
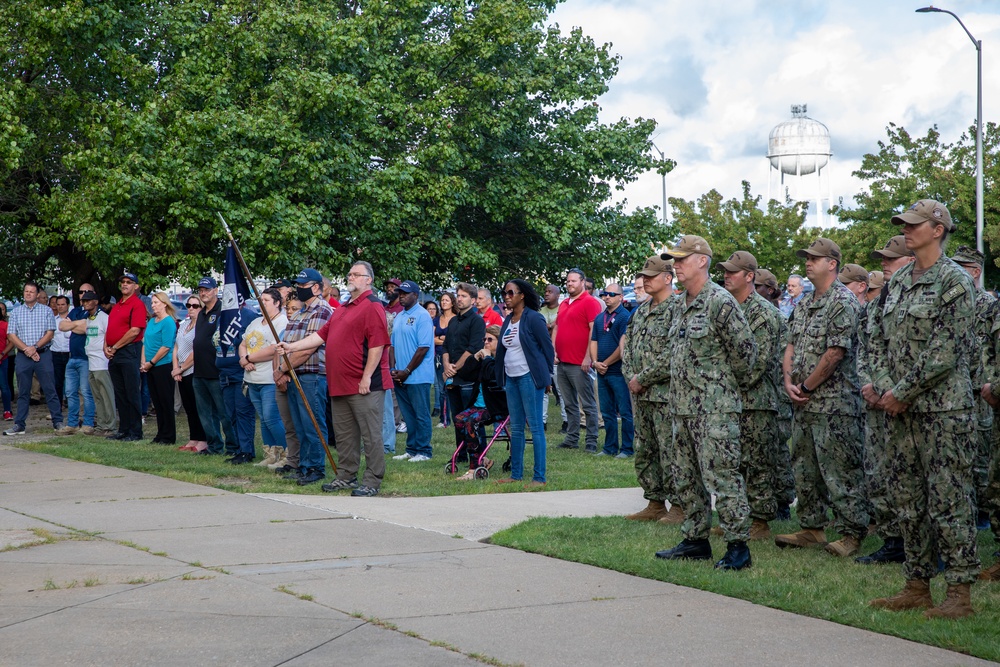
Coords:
pixel 784 480
pixel 876 463
pixel 991 355
pixel 928 332
pixel 826 433
pixel 758 421
pixel 644 356
pixel 711 350
pixel 985 303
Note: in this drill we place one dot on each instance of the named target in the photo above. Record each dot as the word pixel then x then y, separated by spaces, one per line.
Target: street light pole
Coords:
pixel 979 125
pixel 664 177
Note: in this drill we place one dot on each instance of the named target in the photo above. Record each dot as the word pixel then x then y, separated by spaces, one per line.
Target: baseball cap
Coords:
pixel 409 287
pixel 821 247
pixel 657 264
pixel 853 273
pixel 926 210
pixel 208 282
pixel 689 245
pixel 894 248
pixel 740 261
pixel 284 282
pixel 876 280
pixel 967 255
pixel 129 275
pixel 88 296
pixel 765 277
pixel 395 281
pixel 309 276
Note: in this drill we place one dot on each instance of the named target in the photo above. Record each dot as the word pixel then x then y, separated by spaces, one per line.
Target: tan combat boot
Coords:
pixel 807 537
pixel 956 604
pixel 268 456
pixel 281 458
pixel 759 530
pixel 674 517
pixel 846 546
pixel 916 594
pixel 991 573
pixel 653 511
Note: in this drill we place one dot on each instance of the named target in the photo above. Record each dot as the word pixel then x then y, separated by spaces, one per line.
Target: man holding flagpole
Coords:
pixel 235 317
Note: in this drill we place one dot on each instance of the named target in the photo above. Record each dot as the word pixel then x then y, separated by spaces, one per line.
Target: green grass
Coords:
pixel 807 582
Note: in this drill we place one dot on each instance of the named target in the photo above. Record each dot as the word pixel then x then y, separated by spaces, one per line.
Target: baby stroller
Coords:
pixel 494 412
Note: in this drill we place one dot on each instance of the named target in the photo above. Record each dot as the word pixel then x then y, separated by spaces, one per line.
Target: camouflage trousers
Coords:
pixel 784 480
pixel 876 465
pixel 826 458
pixel 991 497
pixel 929 482
pixel 653 450
pixel 981 465
pixel 706 463
pixel 758 433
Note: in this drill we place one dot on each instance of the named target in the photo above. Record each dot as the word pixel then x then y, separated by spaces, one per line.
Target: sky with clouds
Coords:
pixel 718 75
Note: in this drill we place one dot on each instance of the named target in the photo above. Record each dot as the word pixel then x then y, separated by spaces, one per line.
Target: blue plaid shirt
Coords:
pixel 30 324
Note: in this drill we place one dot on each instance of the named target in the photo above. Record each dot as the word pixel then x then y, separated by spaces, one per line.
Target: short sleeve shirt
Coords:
pixel 354 328
pixel 30 323
pixel 257 337
pixel 412 330
pixel 608 331
pixel 573 328
pixel 124 316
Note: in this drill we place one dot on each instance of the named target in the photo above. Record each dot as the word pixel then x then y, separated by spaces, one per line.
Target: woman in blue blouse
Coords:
pixel 157 350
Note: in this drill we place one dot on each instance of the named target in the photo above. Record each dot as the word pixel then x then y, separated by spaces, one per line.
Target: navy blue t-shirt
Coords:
pixel 77 342
pixel 608 331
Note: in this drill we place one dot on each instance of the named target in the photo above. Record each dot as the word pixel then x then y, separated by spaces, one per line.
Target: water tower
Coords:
pixel 799 148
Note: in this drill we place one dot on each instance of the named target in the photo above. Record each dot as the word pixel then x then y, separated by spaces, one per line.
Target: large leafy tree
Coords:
pixel 436 139
pixel 907 168
pixel 771 234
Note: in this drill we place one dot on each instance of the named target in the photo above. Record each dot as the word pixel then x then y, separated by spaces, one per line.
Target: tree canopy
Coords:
pixel 435 139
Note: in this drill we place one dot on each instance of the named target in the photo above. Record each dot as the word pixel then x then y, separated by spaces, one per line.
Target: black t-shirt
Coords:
pixel 206 340
pixel 466 332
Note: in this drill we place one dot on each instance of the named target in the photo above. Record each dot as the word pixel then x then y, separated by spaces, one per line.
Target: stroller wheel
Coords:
pixel 506 465
pixel 482 473
pixel 449 468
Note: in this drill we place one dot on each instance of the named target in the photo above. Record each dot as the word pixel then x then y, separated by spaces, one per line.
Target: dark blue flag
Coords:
pixel 235 292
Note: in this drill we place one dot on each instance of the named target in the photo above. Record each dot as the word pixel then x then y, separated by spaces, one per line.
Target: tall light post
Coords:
pixel 664 177
pixel 979 125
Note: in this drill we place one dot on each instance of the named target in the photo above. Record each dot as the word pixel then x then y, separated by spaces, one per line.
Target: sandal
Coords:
pixel 200 447
pixel 469 476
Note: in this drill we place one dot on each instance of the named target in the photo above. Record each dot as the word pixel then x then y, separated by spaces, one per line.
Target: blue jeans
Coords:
pixel 4 386
pixel 415 404
pixel 311 454
pixel 212 412
pixel 78 382
pixel 272 429
pixel 241 415
pixel 26 369
pixel 612 392
pixel 524 401
pixel 388 425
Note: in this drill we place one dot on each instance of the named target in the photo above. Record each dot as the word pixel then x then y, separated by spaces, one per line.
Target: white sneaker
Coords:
pixel 442 426
pixel 419 458
pixel 401 457
pixel 14 431
pixel 401 428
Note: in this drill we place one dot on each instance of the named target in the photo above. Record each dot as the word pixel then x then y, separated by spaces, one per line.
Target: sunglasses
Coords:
pixel 511 293
pixel 609 293
pixel 193 306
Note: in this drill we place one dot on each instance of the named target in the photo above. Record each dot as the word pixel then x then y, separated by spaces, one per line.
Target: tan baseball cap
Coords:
pixel 876 280
pixel 690 245
pixel 853 273
pixel 821 247
pixel 657 264
pixel 894 249
pixel 740 261
pixel 967 255
pixel 926 210
pixel 765 277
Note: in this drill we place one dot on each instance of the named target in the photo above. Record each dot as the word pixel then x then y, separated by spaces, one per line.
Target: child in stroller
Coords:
pixel 490 407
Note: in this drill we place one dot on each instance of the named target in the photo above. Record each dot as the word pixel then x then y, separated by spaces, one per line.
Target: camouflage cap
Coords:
pixel 740 261
pixel 926 210
pixel 657 264
pixel 876 280
pixel 894 249
pixel 967 255
pixel 690 245
pixel 765 277
pixel 821 247
pixel 853 273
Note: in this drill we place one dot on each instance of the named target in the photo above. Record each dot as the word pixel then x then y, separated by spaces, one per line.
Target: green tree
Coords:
pixel 772 235
pixel 434 139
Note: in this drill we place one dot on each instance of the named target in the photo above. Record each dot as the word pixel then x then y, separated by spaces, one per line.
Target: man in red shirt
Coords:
pixel 485 308
pixel 571 337
pixel 122 347
pixel 357 375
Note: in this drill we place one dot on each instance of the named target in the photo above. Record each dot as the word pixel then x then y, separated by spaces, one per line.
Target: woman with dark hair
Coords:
pixel 5 345
pixel 447 311
pixel 524 363
pixel 183 374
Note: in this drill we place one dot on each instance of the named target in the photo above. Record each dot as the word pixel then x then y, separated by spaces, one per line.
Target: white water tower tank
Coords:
pixel 801 147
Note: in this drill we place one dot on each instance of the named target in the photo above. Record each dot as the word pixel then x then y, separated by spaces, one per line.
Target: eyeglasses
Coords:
pixel 358 275
pixel 511 293
pixel 610 293
pixel 125 282
pixel 193 306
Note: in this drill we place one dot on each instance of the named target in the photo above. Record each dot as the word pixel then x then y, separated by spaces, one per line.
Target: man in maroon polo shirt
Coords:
pixel 571 338
pixel 357 375
pixel 122 347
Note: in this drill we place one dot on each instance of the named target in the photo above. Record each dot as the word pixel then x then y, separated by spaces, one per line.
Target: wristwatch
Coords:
pixel 804 389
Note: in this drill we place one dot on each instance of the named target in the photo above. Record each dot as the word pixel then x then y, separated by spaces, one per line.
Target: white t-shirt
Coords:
pixel 256 337
pixel 97 327
pixel 60 339
pixel 514 363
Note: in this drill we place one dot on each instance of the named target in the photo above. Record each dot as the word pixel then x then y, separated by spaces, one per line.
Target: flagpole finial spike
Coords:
pixel 224 225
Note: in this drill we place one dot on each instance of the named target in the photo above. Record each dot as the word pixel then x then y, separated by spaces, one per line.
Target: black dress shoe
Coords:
pixel 688 550
pixel 116 436
pixel 312 475
pixel 130 438
pixel 890 552
pixel 285 469
pixel 737 557
pixel 241 458
pixel 565 445
pixel 294 474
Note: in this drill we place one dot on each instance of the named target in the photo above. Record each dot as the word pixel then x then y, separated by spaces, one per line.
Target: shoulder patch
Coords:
pixel 758 322
pixel 954 293
pixel 724 313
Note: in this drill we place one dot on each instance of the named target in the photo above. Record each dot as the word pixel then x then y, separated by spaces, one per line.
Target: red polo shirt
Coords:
pixel 491 317
pixel 573 328
pixel 124 315
pixel 353 328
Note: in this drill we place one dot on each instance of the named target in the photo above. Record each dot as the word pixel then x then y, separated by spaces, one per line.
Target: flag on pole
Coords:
pixel 235 292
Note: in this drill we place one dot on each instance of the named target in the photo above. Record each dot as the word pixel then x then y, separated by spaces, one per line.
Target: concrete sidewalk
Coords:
pixel 142 570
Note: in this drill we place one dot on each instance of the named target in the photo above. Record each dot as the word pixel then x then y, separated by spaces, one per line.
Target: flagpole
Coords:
pixel 270 324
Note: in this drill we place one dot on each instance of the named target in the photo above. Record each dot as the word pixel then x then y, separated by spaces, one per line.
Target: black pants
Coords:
pixel 161 391
pixel 59 362
pixel 124 371
pixel 197 431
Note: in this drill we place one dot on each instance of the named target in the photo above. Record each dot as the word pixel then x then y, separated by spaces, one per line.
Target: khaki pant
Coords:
pixel 291 437
pixel 357 420
pixel 104 400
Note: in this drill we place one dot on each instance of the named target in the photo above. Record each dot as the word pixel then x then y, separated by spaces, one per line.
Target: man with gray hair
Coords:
pixel 795 291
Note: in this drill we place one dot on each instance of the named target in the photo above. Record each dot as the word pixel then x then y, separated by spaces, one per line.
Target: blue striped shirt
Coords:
pixel 30 324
